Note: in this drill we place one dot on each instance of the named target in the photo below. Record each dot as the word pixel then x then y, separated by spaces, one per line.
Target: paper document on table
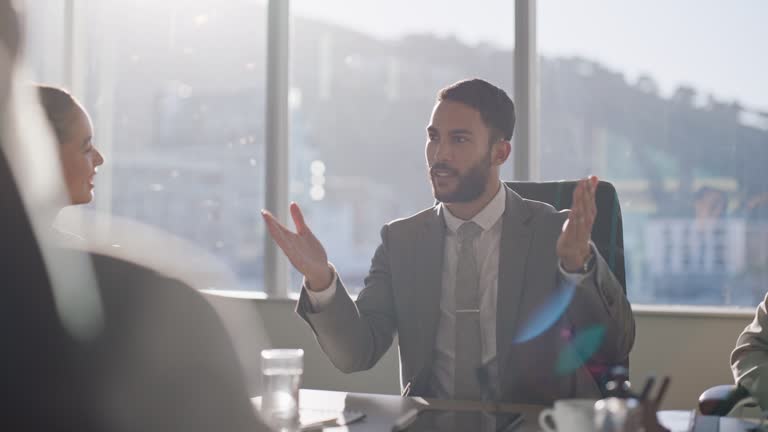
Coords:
pixel 702 423
pixel 316 419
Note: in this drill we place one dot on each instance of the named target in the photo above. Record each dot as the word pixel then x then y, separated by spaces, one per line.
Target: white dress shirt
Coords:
pixel 487 246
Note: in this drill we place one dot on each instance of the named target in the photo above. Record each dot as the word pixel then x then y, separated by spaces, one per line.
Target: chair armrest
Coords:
pixel 720 400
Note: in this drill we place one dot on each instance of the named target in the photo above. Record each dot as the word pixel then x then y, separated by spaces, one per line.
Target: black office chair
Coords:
pixel 723 399
pixel 607 232
pixel 607 235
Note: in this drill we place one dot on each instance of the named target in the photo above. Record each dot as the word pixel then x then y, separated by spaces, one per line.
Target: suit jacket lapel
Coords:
pixel 513 254
pixel 430 246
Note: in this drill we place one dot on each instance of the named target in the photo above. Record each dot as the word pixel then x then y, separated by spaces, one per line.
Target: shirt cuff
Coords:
pixel 321 299
pixel 577 278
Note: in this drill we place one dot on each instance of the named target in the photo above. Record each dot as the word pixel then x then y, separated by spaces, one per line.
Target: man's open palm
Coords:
pixel 573 243
pixel 302 248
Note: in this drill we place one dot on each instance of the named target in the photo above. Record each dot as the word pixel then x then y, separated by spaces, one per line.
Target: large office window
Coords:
pixel 364 79
pixel 44 48
pixel 175 89
pixel 667 100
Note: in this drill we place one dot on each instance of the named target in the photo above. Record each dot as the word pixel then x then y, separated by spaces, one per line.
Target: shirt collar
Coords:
pixel 487 217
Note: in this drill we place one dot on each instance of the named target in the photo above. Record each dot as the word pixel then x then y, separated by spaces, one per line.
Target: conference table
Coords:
pixel 382 411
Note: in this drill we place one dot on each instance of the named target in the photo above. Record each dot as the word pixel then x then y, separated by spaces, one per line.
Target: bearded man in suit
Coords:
pixel 459 281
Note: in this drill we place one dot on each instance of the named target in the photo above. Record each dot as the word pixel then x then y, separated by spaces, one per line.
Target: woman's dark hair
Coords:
pixel 60 107
pixel 496 108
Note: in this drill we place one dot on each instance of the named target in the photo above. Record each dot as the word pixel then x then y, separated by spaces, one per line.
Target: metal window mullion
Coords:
pixel 276 276
pixel 74 49
pixel 526 89
pixel 73 41
pixel 68 42
pixel 102 53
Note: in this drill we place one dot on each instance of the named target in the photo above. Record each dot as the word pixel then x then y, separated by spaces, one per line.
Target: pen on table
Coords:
pixel 406 389
pixel 512 424
pixel 405 420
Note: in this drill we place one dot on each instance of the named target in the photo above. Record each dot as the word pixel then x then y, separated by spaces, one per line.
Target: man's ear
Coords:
pixel 501 150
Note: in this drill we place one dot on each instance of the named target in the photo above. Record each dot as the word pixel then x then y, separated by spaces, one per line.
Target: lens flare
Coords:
pixel 547 314
pixel 580 349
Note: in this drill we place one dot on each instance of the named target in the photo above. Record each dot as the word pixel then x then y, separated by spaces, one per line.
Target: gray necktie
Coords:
pixel 468 345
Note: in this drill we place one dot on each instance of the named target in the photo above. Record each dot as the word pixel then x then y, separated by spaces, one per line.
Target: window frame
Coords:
pixel 277 143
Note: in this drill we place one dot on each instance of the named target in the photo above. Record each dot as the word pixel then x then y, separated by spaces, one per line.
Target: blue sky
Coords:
pixel 717 46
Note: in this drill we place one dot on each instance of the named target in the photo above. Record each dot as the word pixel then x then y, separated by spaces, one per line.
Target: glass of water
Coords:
pixel 281 369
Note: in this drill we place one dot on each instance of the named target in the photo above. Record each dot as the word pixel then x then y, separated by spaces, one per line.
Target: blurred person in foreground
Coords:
pixel 95 342
pixel 459 282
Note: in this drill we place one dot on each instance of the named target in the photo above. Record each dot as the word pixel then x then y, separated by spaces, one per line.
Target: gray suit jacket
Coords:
pixel 749 360
pixel 402 296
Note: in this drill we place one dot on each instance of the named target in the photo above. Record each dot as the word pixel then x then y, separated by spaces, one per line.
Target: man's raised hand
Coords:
pixel 302 248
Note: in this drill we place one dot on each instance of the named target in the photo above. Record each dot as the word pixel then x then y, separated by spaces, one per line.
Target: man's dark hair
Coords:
pixel 496 108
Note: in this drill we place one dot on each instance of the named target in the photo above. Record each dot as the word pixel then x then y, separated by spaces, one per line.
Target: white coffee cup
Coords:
pixel 572 415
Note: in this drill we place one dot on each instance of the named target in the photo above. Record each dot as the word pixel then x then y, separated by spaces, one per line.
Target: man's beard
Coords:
pixel 470 186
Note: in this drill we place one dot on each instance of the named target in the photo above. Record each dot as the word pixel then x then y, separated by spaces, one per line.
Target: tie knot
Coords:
pixel 468 231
